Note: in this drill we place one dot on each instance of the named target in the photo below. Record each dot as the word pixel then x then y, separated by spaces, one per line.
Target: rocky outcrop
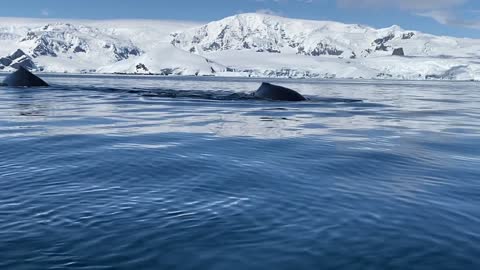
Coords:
pixel 125 52
pixel 269 50
pixel 381 43
pixel 64 38
pixel 398 52
pixel 141 68
pixel 408 35
pixel 320 49
pixel 16 60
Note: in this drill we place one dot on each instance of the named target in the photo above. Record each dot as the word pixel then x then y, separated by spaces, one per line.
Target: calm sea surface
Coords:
pixel 103 172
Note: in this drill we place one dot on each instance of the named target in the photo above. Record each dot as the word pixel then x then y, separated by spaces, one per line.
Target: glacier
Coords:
pixel 247 45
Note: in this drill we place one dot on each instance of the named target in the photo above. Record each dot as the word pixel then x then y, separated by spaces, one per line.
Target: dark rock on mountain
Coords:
pixel 398 52
pixel 18 59
pixel 325 49
pixel 125 52
pixel 384 40
pixel 17 54
pixel 5 61
pixel 44 48
pixel 269 50
pixel 79 49
pixel 381 47
pixel 408 35
pixel 27 63
pixel 381 42
pixel 30 36
pixel 21 59
pixel 320 49
pixel 57 39
pixel 141 68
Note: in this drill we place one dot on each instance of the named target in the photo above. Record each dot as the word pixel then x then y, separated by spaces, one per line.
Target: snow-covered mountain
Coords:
pixel 243 45
pixel 263 33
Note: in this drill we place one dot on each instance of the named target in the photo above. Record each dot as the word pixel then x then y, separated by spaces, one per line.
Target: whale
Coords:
pixel 23 78
pixel 273 92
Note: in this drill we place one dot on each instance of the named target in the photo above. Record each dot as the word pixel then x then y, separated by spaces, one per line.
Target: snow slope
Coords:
pixel 242 45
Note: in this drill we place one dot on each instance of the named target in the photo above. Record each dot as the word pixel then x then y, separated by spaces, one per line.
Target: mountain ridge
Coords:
pixel 248 44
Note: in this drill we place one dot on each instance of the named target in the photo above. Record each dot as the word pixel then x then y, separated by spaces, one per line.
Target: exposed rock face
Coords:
pixel 384 39
pixel 63 38
pixel 273 34
pixel 125 52
pixel 17 54
pixel 141 68
pixel 16 60
pixel 398 52
pixel 5 61
pixel 262 33
pixel 320 49
pixel 79 49
pixel 408 35
pixel 381 42
pixel 269 50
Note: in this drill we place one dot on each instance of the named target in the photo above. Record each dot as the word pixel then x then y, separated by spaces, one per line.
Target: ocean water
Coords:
pixel 105 172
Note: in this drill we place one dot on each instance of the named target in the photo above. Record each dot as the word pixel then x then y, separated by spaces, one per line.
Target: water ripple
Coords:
pixel 126 177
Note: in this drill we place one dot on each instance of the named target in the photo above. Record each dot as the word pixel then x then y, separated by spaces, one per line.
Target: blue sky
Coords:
pixel 447 17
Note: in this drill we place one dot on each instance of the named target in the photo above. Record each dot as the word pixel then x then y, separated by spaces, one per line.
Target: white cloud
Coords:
pixel 450 18
pixel 446 12
pixel 269 12
pixel 441 16
pixel 402 4
pixel 45 12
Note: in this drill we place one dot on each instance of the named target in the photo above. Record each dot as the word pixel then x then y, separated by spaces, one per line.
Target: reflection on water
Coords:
pixel 109 178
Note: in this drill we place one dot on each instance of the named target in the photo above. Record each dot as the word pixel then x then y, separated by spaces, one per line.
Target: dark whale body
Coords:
pixel 24 78
pixel 275 92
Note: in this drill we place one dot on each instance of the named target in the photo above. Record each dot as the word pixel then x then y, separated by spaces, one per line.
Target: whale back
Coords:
pixel 275 92
pixel 24 78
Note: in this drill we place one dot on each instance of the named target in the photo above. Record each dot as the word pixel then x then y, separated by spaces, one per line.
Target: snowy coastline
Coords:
pixel 245 45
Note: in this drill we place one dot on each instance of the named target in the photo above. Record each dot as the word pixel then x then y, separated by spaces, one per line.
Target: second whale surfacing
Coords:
pixel 23 78
pixel 275 92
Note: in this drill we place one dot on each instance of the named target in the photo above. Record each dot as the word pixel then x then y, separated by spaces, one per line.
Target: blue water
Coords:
pixel 108 178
